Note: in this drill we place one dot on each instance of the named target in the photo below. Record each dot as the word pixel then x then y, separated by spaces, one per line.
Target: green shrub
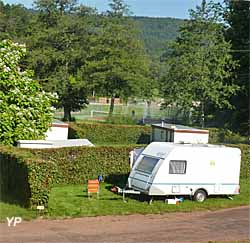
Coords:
pixel 134 134
pixel 219 135
pixel 110 134
pixel 14 180
pixel 120 120
pixel 78 164
pixel 24 178
pixel 27 175
pixel 245 159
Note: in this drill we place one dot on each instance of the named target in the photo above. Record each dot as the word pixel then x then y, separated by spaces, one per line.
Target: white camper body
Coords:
pixel 186 169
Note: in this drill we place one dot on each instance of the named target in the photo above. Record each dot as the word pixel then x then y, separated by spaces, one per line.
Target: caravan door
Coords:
pixel 142 175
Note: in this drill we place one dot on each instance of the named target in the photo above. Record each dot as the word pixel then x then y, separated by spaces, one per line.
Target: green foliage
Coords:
pixel 13 179
pixel 221 135
pixel 26 110
pixel 15 21
pixel 117 65
pixel 110 134
pixel 245 159
pixel 155 32
pixel 59 43
pixel 27 176
pixel 200 63
pixel 25 179
pixel 238 17
pixel 77 165
pixel 121 120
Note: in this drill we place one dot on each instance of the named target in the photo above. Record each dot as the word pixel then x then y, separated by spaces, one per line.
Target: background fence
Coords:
pixel 140 112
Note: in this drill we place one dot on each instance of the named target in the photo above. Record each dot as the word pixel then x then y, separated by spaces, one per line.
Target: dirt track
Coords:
pixel 223 225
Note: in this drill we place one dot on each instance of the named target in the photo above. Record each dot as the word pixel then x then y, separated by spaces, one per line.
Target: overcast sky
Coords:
pixel 152 8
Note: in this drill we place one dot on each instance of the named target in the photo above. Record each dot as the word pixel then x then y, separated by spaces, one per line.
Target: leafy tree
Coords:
pixel 150 88
pixel 60 43
pixel 14 22
pixel 26 111
pixel 237 16
pixel 117 64
pixel 200 62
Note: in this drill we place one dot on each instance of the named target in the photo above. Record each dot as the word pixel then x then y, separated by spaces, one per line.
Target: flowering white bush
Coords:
pixel 25 109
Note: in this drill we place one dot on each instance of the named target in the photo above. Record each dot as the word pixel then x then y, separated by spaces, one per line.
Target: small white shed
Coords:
pixel 55 137
pixel 57 131
pixel 165 132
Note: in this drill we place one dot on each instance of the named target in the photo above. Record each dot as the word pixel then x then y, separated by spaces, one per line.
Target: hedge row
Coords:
pixel 110 134
pixel 131 134
pixel 220 135
pixel 78 164
pixel 28 175
pixel 25 178
pixel 245 159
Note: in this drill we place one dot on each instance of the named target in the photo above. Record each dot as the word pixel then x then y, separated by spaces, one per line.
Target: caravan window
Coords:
pixel 147 164
pixel 177 166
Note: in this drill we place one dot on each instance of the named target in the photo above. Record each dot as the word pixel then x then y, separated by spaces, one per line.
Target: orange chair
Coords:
pixel 93 187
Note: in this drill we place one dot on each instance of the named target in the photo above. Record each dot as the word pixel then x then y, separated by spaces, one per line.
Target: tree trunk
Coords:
pixel 202 114
pixel 112 105
pixel 67 114
pixel 148 108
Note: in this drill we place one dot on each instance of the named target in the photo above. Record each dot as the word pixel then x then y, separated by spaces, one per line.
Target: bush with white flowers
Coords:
pixel 26 111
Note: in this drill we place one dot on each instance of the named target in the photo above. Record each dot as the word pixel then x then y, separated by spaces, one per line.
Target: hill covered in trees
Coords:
pixel 74 50
pixel 155 32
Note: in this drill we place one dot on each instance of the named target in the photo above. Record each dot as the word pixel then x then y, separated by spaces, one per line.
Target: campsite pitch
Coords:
pixel 72 201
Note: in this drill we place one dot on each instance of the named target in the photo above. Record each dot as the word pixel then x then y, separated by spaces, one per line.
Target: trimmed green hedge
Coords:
pixel 110 134
pixel 28 175
pixel 78 164
pixel 25 178
pixel 245 159
pixel 14 179
pixel 219 135
pixel 131 134
pixel 38 170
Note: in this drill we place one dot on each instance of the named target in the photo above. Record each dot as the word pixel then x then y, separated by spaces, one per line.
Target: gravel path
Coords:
pixel 223 226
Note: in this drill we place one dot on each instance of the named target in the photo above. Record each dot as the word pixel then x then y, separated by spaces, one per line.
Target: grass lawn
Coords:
pixel 72 201
pixel 123 110
pixel 11 210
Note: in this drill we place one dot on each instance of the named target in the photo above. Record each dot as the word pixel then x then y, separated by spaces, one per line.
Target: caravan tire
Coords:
pixel 200 195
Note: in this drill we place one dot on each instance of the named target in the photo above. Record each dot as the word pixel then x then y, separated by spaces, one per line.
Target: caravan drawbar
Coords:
pixel 199 170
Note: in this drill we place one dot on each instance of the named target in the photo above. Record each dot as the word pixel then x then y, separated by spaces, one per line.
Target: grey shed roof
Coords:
pixel 176 127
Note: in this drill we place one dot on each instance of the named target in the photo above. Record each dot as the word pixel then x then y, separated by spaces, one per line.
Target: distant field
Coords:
pixel 140 111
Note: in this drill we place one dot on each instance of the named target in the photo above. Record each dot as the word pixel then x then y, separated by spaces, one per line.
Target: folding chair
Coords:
pixel 93 187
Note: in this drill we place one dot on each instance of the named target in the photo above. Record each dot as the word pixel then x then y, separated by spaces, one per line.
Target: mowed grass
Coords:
pixel 119 110
pixel 72 201
pixel 12 210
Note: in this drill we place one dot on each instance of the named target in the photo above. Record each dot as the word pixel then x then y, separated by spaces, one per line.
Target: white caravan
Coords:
pixel 198 170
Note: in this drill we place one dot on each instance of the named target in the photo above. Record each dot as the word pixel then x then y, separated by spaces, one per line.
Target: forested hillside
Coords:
pixel 155 32
pixel 76 52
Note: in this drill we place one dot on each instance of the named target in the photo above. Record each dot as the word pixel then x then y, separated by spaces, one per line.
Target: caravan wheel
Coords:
pixel 200 196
